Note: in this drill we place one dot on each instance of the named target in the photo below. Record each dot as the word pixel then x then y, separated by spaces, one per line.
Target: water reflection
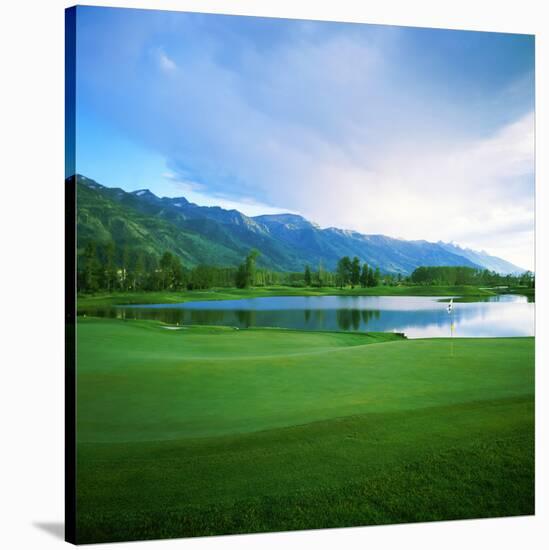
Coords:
pixel 417 317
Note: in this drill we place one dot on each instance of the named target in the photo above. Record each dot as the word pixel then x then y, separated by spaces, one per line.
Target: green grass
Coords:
pixel 522 290
pixel 100 300
pixel 208 430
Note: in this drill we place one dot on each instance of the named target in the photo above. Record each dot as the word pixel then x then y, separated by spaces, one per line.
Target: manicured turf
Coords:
pixel 88 302
pixel 211 430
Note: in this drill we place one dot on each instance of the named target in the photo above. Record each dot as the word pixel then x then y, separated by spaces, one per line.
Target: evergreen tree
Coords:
pixel 250 266
pixel 371 277
pixel 240 276
pixel 307 276
pixel 125 268
pixel 320 277
pixel 377 277
pixel 364 276
pixel 166 268
pixel 92 268
pixel 110 267
pixel 178 274
pixel 344 268
pixel 355 272
pixel 139 272
pixel 245 275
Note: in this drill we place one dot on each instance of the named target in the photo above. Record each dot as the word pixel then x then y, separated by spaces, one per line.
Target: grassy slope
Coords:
pixel 209 431
pixel 103 220
pixel 86 302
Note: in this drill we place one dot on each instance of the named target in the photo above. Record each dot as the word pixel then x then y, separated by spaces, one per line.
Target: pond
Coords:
pixel 417 317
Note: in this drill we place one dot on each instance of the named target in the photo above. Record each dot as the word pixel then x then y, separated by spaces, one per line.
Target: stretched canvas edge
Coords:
pixel 70 275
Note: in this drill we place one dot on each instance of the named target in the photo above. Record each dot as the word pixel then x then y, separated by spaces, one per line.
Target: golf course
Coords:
pixel 206 430
pixel 300 275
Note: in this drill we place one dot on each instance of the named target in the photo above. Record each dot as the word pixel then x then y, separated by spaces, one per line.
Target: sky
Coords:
pixel 408 132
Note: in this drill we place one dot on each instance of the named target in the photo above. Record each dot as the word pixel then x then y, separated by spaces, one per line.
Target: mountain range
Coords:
pixel 215 236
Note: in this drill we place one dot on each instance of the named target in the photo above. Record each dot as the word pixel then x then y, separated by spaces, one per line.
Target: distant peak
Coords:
pixel 294 220
pixel 346 232
pixel 177 201
pixel 88 181
pixel 144 193
pixel 281 218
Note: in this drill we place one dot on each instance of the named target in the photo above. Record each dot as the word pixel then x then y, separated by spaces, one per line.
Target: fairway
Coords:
pixel 210 430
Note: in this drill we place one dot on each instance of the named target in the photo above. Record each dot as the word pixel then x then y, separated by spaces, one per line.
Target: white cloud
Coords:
pixel 198 193
pixel 166 63
pixel 477 193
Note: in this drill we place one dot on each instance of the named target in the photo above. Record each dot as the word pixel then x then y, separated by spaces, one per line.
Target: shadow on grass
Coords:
pixel 55 529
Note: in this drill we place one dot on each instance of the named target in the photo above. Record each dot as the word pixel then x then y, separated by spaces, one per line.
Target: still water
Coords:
pixel 417 317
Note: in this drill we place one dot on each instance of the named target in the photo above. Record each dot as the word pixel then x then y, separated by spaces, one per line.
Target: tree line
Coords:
pixel 462 275
pixel 350 272
pixel 106 268
pixel 103 267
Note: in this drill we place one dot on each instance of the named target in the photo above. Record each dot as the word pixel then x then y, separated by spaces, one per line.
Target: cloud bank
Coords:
pixel 412 133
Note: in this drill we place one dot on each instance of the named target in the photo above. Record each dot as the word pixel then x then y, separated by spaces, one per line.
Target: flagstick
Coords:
pixel 452 335
pixel 451 312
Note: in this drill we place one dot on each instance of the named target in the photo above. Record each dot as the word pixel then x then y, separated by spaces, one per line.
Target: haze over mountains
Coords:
pixel 215 236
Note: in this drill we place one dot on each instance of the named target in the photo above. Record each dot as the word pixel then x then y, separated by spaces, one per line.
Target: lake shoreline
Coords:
pixel 86 302
pixel 413 316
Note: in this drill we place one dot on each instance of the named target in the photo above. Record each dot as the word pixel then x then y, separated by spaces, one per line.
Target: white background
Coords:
pixel 31 270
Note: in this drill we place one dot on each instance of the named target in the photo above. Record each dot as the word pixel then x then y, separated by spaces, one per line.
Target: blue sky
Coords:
pixel 413 133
